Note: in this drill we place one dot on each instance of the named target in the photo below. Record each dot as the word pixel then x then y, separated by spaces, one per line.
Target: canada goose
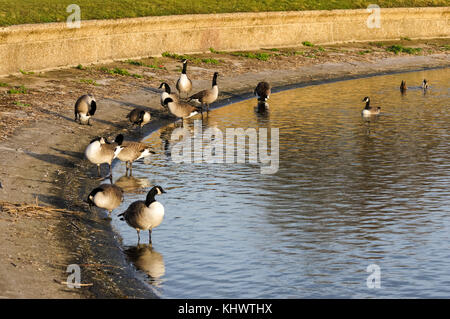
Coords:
pixel 132 151
pixel 262 90
pixel 424 84
pixel 139 117
pixel 368 110
pixel 181 109
pixel 207 96
pixel 99 151
pixel 403 87
pixel 107 196
pixel 85 107
pixel 167 93
pixel 145 215
pixel 184 85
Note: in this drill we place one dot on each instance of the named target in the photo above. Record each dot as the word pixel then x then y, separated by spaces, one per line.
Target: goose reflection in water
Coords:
pixel 147 260
pixel 130 184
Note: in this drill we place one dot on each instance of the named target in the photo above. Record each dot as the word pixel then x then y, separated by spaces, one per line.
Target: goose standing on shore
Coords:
pixel 424 84
pixel 167 93
pixel 184 84
pixel 139 117
pixel 107 196
pixel 145 215
pixel 369 110
pixel 262 90
pixel 133 151
pixel 85 107
pixel 403 87
pixel 206 97
pixel 181 109
pixel 99 151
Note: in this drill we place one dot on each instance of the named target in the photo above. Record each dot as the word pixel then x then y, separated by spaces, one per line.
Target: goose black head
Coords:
pixel 184 61
pixel 119 139
pixel 166 87
pixel 168 100
pixel 366 99
pixel 156 190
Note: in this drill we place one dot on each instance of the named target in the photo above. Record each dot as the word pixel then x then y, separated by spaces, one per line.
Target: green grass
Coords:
pixel 191 58
pixel 446 47
pixel 119 71
pixel 3 84
pixel 39 11
pixel 26 73
pixel 262 56
pixel 88 81
pixel 80 67
pixel 18 90
pixel 21 104
pixel 139 63
pixel 307 44
pixel 397 48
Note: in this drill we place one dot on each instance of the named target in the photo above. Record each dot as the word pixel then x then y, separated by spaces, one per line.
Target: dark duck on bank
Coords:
pixel 85 108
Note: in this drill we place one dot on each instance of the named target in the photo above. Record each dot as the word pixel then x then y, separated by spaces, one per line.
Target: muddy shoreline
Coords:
pixel 47 162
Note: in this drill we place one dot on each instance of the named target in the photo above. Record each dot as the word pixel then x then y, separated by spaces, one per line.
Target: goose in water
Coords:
pixel 107 196
pixel 85 107
pixel 184 85
pixel 133 151
pixel 369 110
pixel 403 87
pixel 262 90
pixel 181 109
pixel 206 97
pixel 145 215
pixel 99 151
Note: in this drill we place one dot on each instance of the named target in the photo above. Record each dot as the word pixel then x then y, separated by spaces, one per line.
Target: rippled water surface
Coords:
pixel 348 193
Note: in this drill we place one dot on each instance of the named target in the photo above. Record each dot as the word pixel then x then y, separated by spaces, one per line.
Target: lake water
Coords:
pixel 348 193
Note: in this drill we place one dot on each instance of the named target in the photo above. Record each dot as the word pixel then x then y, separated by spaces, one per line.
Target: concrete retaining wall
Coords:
pixel 46 46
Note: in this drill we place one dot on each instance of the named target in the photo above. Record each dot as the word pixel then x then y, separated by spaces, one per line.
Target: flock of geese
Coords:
pixel 147 214
pixel 370 110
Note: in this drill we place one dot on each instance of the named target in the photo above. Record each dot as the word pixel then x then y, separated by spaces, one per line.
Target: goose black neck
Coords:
pixel 151 197
pixel 167 88
pixel 368 104
pixel 184 68
pixel 214 81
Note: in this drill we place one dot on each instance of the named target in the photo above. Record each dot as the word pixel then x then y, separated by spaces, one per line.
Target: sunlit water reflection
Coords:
pixel 348 193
